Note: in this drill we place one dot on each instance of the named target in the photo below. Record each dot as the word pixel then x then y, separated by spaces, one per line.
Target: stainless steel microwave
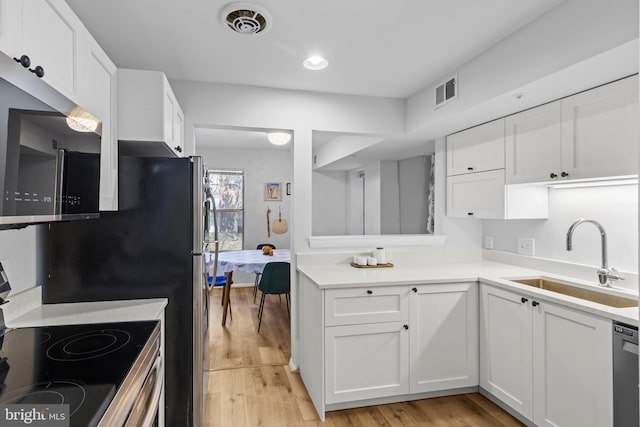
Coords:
pixel 49 154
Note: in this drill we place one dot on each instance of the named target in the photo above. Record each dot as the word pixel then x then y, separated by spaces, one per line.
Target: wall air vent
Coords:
pixel 446 91
pixel 245 18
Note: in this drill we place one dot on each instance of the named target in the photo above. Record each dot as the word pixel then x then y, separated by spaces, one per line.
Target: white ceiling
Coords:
pixel 388 48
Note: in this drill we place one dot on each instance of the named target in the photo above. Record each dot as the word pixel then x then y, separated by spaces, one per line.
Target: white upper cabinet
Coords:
pixel 98 91
pixel 50 35
pixel 476 195
pixel 477 149
pixel 148 111
pixel 600 131
pixel 533 145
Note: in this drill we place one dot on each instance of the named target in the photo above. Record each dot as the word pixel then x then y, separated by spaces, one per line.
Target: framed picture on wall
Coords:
pixel 272 191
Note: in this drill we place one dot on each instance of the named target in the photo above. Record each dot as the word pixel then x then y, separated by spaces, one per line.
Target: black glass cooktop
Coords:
pixel 80 365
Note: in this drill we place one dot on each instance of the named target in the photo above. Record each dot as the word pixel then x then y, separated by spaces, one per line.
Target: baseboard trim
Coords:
pixel 506 408
pixel 400 398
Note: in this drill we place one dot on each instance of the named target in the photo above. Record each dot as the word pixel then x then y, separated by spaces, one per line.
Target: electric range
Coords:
pixel 89 367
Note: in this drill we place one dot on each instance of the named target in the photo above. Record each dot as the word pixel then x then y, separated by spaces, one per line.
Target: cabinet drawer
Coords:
pixel 366 305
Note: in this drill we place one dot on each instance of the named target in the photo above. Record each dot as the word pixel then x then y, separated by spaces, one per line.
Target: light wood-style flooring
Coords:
pixel 251 384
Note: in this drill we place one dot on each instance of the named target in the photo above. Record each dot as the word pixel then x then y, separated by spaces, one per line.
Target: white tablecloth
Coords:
pixel 251 261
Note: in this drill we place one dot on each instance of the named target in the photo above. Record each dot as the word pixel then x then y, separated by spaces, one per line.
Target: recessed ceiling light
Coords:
pixel 315 63
pixel 279 138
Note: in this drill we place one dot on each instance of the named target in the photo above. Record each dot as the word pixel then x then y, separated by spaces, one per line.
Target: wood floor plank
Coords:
pixel 251 384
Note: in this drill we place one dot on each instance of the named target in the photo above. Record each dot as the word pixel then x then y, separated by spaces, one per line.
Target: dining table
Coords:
pixel 250 261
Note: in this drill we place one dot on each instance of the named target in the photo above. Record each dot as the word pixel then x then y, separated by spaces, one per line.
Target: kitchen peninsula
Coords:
pixel 449 327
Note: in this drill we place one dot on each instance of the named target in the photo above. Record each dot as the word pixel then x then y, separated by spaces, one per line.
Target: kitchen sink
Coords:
pixel 578 292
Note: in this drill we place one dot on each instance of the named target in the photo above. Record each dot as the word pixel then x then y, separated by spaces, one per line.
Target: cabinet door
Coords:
pixel 10 27
pixel 443 337
pixel 97 92
pixel 178 128
pixel 480 148
pixel 533 145
pixel 600 131
pixel 169 114
pixel 366 361
pixel 51 35
pixel 572 370
pixel 476 195
pixel 506 366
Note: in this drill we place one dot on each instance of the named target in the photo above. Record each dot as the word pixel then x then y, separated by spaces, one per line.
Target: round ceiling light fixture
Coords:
pixel 315 63
pixel 82 121
pixel 279 138
pixel 245 18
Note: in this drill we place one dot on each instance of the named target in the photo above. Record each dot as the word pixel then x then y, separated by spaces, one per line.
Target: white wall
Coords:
pixel 389 198
pixel 259 167
pixel 330 203
pixel 372 178
pixel 615 207
pixel 542 51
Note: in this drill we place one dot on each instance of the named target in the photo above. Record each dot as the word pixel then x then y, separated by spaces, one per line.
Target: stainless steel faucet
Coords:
pixel 605 274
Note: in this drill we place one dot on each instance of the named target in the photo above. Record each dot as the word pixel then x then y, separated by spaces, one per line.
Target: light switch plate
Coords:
pixel 526 246
pixel 488 242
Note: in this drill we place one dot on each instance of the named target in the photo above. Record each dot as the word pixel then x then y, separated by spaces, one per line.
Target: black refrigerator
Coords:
pixel 150 248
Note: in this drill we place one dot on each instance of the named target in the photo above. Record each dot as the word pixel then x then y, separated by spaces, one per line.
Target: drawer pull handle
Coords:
pixel 535 303
pixel 470 213
pixel 414 290
pixel 564 174
pixel 523 299
pixel 405 326
pixel 24 60
pixel 469 168
pixel 38 71
pixel 553 175
pixel 369 291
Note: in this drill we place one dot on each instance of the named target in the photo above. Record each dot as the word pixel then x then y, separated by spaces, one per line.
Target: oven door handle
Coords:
pixel 146 417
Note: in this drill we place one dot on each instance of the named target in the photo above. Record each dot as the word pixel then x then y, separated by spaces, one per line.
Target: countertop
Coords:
pixel 343 275
pixel 91 312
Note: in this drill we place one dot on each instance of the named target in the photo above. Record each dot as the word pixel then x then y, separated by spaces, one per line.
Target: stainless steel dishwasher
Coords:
pixel 625 375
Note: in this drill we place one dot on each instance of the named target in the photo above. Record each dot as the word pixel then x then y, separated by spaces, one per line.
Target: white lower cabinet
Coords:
pixel 432 346
pixel 443 336
pixel 551 364
pixel 366 361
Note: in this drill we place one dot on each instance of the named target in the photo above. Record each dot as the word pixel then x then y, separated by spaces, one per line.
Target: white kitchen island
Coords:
pixel 372 336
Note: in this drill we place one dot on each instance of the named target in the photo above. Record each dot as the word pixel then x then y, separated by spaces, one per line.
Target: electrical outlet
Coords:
pixel 526 246
pixel 488 242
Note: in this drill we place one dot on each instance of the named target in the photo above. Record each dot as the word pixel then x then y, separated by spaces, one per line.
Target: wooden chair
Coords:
pixel 255 286
pixel 275 280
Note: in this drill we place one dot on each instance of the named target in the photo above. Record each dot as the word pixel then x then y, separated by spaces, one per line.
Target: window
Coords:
pixel 227 189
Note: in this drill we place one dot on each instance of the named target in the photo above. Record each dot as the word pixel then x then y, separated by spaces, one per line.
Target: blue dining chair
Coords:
pixel 275 280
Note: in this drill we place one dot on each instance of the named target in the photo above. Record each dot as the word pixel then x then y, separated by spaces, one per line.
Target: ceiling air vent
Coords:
pixel 245 18
pixel 446 91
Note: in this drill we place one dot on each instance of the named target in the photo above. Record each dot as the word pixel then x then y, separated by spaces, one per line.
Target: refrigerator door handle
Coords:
pixel 198 205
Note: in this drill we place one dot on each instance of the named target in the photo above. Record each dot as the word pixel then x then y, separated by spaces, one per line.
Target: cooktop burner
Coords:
pixel 79 365
pixel 89 345
pixel 50 392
